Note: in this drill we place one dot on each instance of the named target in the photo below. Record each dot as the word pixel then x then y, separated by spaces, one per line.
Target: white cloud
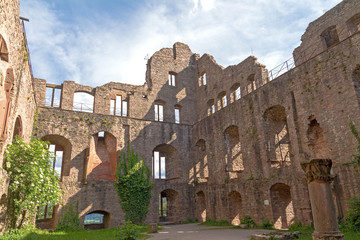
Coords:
pixel 104 49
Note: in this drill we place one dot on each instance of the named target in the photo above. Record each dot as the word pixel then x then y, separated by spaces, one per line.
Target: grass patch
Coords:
pixel 211 222
pixel 36 234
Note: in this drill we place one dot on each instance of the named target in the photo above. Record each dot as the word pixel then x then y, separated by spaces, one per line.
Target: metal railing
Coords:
pixel 82 107
pixel 281 69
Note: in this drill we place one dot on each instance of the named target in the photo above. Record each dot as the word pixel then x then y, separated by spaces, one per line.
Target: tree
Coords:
pixel 133 186
pixel 33 181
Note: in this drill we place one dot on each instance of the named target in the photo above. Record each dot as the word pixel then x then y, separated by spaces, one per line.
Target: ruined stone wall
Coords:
pixel 16 94
pixel 331 28
pixel 245 157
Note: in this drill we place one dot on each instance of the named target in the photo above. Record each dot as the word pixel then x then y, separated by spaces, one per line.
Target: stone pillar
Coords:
pixel 318 176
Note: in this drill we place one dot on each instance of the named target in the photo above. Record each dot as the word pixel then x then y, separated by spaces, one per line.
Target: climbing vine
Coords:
pixel 133 186
pixel 33 181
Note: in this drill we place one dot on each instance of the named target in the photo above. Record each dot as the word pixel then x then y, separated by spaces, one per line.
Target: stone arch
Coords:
pixel 18 128
pixel 353 24
pixel 282 205
pixel 5 102
pixel 201 164
pixel 63 145
pixel 4 53
pixel 166 162
pixel 330 36
pixel 201 206
pixel 169 206
pixel 235 208
pixel 233 156
pixel 98 219
pixel 277 136
pixel 316 142
pixel 102 160
pixel 83 102
pixel 235 92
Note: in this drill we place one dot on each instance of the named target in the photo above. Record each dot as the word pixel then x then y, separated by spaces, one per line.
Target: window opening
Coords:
pixel 101 134
pixel 118 105
pixel 57 158
pixel 45 212
pixel 162 206
pixel 224 101
pixel 237 93
pixel 172 77
pixel 94 218
pixel 4 54
pixel 112 106
pixel 330 36
pixel 53 97
pixel 159 166
pixel 159 112
pixel 83 102
pixel 177 115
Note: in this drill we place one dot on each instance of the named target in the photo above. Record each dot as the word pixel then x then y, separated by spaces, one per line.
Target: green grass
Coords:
pixel 211 222
pixel 108 233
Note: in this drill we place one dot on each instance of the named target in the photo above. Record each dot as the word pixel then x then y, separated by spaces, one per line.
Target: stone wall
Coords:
pixel 17 103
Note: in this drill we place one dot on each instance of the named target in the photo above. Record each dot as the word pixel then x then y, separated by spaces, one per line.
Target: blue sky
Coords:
pixel 93 42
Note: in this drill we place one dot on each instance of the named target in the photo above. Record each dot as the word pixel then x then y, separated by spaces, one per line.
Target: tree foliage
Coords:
pixel 33 181
pixel 133 186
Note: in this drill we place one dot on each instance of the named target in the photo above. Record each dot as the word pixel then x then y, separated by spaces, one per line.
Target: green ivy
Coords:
pixel 33 181
pixel 133 186
pixel 356 156
pixel 128 231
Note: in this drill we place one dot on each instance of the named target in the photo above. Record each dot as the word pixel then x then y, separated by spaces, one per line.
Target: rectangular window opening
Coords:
pixel 177 115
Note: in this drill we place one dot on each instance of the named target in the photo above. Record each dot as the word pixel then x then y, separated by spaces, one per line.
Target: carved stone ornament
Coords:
pixel 318 170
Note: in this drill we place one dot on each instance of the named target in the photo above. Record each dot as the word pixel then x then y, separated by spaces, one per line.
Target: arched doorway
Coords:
pixel 235 208
pixel 97 220
pixel 168 205
pixel 282 205
pixel 200 206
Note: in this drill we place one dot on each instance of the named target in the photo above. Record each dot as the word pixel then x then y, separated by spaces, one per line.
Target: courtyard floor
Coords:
pixel 199 232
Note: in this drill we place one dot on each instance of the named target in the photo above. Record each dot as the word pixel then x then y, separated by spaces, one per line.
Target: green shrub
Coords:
pixel 266 225
pixel 133 186
pixel 69 221
pixel 248 221
pixel 26 232
pixel 128 231
pixel 351 221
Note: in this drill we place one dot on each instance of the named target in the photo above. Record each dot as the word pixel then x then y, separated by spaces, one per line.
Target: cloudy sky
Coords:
pixel 93 42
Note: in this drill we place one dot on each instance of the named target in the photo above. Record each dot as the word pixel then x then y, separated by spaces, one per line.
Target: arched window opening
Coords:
pixel 83 102
pixel 277 136
pixel 61 150
pixel 172 79
pixel 235 208
pixel 316 142
pixel 201 165
pixel 18 130
pixel 168 205
pixel 200 206
pixel 4 53
pixel 222 100
pixel 353 24
pixel 202 79
pixel 330 36
pixel 235 92
pixel 5 102
pixel 211 107
pixel 97 220
pixel 102 158
pixel 251 83
pixel 165 162
pixel 177 111
pixel 282 206
pixel 159 106
pixel 233 158
pixel 53 96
